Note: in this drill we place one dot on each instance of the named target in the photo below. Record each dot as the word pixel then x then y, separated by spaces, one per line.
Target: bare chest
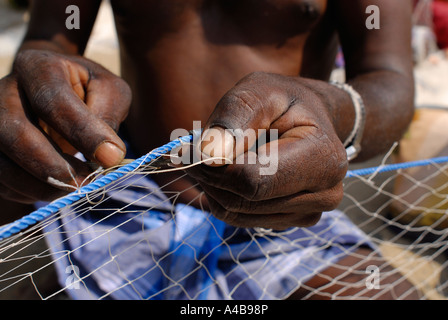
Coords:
pixel 257 21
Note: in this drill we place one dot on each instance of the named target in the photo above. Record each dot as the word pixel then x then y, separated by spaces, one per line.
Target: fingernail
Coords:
pixel 109 155
pixel 217 143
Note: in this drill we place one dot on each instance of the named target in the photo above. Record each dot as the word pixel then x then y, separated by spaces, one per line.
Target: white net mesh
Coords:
pixel 129 240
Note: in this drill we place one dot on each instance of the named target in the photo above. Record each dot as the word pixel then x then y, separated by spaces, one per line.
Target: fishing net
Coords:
pixel 123 237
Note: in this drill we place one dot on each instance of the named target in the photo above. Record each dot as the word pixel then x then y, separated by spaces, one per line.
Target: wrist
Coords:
pixel 340 105
pixel 353 142
pixel 56 46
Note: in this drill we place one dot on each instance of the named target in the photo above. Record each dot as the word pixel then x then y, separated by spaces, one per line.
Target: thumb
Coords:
pixel 217 146
pixel 241 115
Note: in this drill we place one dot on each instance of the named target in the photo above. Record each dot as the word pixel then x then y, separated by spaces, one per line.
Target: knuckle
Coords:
pixel 33 62
pixel 119 96
pixel 7 101
pixel 219 211
pixel 331 199
pixel 125 97
pixel 44 97
pixel 267 88
pixel 339 194
pixel 22 58
pixel 111 121
pixel 339 174
pixel 230 218
pixel 40 73
pixel 335 162
pixel 79 130
pixel 124 89
pixel 118 85
pixel 309 219
pixel 237 205
pixel 257 192
pixel 12 128
pixel 337 171
pixel 329 203
pixel 246 99
pixel 240 98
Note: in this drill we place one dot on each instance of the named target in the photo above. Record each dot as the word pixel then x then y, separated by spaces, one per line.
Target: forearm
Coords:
pixel 379 67
pixel 47 45
pixel 47 27
pixel 388 99
pixel 389 103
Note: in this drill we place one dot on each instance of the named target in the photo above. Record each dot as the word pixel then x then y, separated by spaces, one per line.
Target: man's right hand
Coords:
pixel 51 106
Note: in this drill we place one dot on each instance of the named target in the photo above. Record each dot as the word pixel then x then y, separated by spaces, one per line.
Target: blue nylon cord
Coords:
pixel 395 166
pixel 52 208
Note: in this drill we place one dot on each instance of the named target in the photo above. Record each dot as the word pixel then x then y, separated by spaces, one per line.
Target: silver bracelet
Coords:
pixel 353 142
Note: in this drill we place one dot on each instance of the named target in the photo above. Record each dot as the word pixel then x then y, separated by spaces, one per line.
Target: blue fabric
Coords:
pixel 156 250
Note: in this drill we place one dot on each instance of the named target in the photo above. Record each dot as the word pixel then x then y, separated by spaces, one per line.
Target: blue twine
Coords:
pixel 52 208
pixel 395 167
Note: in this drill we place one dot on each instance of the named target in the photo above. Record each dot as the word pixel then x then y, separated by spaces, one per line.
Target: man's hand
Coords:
pixel 312 161
pixel 50 107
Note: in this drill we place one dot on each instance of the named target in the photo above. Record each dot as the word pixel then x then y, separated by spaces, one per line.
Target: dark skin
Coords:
pixel 230 64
